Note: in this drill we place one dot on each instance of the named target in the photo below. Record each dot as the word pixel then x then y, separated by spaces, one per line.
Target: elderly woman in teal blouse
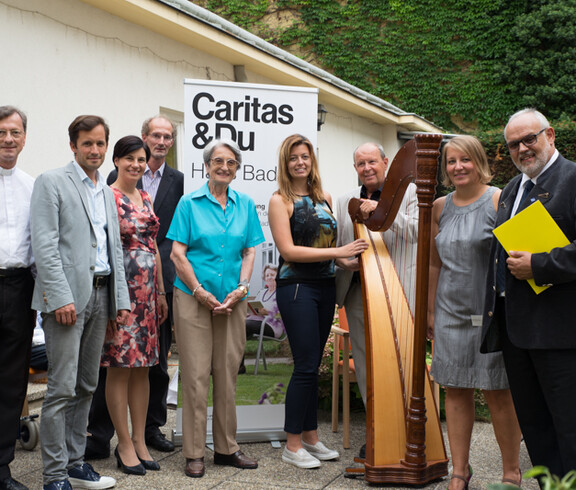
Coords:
pixel 215 230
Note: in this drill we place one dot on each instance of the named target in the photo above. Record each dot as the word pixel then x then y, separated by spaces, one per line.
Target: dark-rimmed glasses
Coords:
pixel 527 141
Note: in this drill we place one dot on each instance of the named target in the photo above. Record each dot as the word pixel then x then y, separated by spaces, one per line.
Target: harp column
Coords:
pixel 426 162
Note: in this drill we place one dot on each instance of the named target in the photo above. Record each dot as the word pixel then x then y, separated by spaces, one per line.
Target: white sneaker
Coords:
pixel 84 476
pixel 300 458
pixel 320 451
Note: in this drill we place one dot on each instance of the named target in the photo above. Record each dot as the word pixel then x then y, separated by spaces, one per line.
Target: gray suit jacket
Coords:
pixel 64 244
pixel 401 240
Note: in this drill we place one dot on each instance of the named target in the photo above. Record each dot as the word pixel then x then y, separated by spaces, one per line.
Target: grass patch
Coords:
pixel 249 388
pixel 272 349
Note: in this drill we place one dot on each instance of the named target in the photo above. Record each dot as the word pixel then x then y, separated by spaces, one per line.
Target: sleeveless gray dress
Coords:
pixel 463 243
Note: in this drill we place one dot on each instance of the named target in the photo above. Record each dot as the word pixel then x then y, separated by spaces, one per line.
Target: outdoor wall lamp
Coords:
pixel 321 115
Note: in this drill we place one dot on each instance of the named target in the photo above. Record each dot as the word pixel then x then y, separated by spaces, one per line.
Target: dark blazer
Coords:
pixel 547 320
pixel 170 191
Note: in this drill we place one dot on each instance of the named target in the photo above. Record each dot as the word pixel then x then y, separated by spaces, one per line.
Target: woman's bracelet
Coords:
pixel 196 289
pixel 162 293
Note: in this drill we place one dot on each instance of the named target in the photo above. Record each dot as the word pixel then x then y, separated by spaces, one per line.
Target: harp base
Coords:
pixel 402 474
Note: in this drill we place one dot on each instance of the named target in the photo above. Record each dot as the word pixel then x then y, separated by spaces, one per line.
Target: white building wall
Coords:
pixel 63 58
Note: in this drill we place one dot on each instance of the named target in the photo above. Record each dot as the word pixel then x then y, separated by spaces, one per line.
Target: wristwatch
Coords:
pixel 244 286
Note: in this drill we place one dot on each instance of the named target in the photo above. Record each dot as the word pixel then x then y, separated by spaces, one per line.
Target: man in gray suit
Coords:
pixel 80 287
pixel 401 239
pixel 165 186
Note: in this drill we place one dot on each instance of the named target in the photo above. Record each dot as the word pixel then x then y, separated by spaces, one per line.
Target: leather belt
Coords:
pixel 100 281
pixel 17 271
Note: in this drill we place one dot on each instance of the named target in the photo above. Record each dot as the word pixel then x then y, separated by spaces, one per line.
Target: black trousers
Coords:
pixel 99 423
pixel 17 322
pixel 543 386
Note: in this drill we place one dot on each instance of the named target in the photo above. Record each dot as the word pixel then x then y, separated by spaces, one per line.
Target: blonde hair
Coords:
pixel 285 180
pixel 474 149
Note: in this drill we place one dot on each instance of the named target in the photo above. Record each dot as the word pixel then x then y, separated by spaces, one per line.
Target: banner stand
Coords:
pixel 256 423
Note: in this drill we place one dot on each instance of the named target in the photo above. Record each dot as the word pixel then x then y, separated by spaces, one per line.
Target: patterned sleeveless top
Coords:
pixel 312 225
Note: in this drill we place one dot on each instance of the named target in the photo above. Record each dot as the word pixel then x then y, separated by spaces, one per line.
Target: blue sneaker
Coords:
pixel 84 476
pixel 58 485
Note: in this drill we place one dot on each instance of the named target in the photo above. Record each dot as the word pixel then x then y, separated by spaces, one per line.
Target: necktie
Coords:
pixel 528 186
pixel 501 271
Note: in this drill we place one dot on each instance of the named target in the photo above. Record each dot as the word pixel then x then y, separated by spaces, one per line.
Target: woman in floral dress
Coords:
pixel 131 349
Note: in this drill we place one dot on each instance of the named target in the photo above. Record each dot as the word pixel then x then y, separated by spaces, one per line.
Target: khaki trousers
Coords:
pixel 208 345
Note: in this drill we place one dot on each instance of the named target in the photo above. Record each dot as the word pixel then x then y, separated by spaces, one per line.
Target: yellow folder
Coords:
pixel 531 230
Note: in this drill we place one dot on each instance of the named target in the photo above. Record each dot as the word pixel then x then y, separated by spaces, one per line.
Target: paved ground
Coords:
pixel 272 472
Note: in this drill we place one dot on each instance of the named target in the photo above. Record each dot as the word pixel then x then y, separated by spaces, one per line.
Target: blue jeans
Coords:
pixel 307 311
pixel 73 362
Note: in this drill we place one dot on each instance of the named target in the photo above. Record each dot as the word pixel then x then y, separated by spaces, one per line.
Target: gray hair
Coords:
pixel 8 110
pixel 544 124
pixel 378 147
pixel 214 144
pixel 146 124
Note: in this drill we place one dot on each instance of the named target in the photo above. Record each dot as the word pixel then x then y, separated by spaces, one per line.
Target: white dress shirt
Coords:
pixel 15 191
pixel 95 194
pixel 525 178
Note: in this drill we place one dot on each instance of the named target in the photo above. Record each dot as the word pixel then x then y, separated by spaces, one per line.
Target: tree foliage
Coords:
pixel 540 61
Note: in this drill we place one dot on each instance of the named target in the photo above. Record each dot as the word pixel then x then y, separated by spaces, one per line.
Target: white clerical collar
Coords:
pixel 6 172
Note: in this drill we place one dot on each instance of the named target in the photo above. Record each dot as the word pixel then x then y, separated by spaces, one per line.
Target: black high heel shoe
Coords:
pixel 150 465
pixel 129 470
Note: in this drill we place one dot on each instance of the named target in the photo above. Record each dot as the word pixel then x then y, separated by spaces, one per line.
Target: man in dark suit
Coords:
pixel 166 186
pixel 537 333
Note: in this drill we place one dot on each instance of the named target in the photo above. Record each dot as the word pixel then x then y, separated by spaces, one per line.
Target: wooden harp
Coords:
pixel 404 443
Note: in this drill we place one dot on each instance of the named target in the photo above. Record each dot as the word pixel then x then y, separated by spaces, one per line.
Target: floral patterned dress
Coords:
pixel 136 344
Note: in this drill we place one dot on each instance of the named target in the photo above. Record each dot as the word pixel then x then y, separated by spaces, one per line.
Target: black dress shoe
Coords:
pixel 150 465
pixel 160 443
pixel 362 453
pixel 95 450
pixel 11 484
pixel 129 470
pixel 238 460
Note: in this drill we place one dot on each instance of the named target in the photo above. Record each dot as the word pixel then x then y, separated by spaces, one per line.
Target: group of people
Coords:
pixel 117 266
pixel 103 283
pixel 490 330
pixel 98 256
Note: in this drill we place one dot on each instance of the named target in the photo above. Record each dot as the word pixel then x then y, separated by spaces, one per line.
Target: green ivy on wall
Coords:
pixel 463 64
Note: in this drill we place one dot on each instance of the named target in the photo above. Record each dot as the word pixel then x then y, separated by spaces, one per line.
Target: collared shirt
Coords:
pixel 525 178
pixel 15 191
pixel 151 180
pixel 375 196
pixel 215 237
pixel 97 206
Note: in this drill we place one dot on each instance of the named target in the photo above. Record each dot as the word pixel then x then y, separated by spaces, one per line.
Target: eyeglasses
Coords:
pixel 158 137
pixel 15 133
pixel 529 140
pixel 220 161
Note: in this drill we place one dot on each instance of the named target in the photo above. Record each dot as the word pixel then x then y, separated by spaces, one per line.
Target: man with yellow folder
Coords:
pixel 537 332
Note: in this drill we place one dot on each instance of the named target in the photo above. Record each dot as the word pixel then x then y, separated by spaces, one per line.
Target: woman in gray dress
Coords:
pixel 462 224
